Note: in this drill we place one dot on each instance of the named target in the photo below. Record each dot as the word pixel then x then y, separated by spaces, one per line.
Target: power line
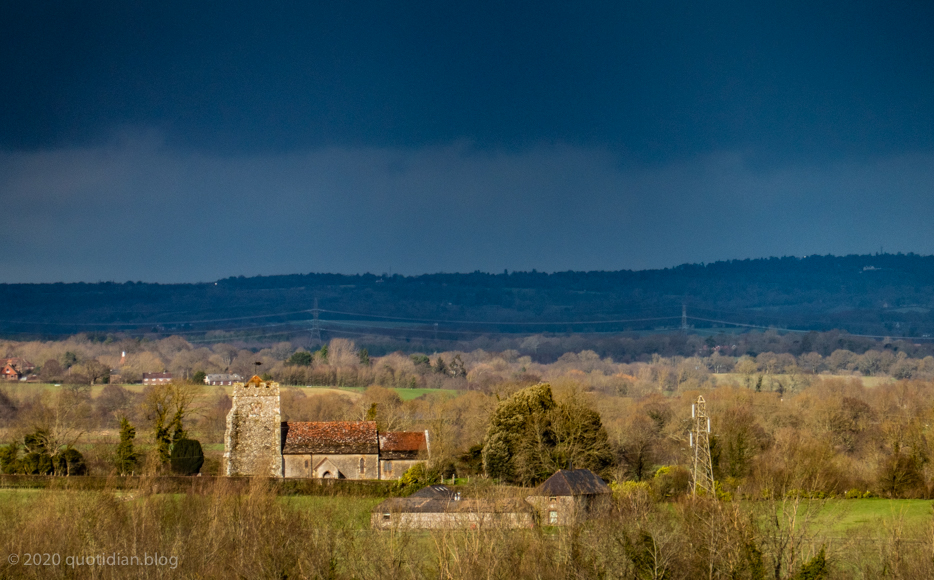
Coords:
pixel 500 322
pixel 316 326
pixel 147 323
pixel 800 331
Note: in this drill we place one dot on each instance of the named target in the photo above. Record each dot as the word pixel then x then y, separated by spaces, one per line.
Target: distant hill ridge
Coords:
pixel 881 294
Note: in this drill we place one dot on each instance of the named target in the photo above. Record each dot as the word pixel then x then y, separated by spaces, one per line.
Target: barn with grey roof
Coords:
pixel 568 496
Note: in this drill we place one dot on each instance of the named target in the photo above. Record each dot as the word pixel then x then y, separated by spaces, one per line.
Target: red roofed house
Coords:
pixel 13 369
pixel 324 449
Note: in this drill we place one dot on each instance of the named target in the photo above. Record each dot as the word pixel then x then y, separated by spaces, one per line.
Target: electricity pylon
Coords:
pixel 315 325
pixel 700 441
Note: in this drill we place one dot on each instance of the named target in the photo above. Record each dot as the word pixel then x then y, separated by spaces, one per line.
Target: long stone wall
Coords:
pixel 451 520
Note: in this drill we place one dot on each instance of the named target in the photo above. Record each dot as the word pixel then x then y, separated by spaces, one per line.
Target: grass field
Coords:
pixel 406 394
pixel 872 516
pixel 354 510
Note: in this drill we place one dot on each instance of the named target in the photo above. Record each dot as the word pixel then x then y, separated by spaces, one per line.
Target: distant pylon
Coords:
pixel 315 324
pixel 684 318
pixel 700 441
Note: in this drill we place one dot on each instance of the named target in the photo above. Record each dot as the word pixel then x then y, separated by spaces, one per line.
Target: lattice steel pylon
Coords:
pixel 315 325
pixel 700 441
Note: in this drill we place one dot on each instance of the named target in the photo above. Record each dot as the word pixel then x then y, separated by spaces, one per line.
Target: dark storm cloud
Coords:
pixel 187 141
pixel 653 80
pixel 139 210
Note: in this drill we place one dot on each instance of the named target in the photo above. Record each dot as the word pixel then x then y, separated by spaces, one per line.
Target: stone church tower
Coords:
pixel 253 441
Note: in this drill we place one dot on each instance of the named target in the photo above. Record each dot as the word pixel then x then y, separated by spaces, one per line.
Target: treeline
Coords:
pixel 775 417
pixel 82 359
pixel 886 295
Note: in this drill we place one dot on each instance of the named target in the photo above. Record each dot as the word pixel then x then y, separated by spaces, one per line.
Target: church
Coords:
pixel 258 442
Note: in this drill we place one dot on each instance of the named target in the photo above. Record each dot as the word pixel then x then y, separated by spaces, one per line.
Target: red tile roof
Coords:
pixel 331 437
pixel 402 444
pixel 19 363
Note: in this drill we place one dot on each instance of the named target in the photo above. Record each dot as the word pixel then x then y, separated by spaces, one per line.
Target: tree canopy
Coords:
pixel 530 436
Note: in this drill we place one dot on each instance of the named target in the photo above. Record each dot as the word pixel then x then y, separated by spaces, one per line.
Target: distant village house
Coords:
pixel 157 378
pixel 222 379
pixel 15 369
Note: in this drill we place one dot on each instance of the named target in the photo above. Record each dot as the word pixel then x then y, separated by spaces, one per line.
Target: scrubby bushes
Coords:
pixel 39 461
pixel 244 529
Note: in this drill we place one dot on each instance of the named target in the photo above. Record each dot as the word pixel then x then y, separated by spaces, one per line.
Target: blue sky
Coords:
pixel 169 142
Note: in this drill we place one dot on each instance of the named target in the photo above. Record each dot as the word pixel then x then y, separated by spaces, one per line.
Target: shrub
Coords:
pixel 631 490
pixel 416 477
pixel 70 462
pixel 187 457
pixel 35 463
pixel 671 481
pixel 9 458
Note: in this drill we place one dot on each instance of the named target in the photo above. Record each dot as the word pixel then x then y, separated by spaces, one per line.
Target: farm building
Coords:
pixel 258 442
pixel 565 497
pixel 568 495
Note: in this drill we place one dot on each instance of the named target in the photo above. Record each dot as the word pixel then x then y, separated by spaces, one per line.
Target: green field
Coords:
pixel 405 394
pixel 352 510
pixel 869 517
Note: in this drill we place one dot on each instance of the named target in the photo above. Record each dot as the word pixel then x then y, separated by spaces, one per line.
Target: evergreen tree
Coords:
pixel 9 458
pixel 814 569
pixel 69 462
pixel 187 457
pixel 509 426
pixel 364 357
pixel 300 358
pixel 530 436
pixel 126 456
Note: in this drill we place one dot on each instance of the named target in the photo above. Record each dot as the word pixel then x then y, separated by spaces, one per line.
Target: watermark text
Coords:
pixel 92 560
